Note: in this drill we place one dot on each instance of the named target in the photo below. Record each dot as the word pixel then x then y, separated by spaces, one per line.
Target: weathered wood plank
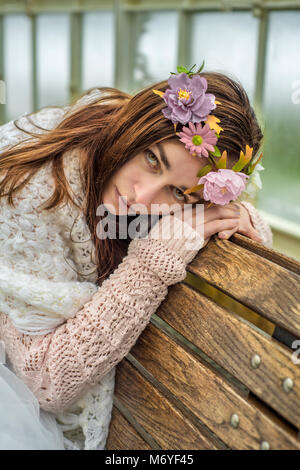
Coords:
pixel 227 302
pixel 232 342
pixel 122 435
pixel 155 413
pixel 212 399
pixel 265 287
pixel 275 256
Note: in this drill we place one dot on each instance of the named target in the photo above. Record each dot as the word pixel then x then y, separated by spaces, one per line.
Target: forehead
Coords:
pixel 174 154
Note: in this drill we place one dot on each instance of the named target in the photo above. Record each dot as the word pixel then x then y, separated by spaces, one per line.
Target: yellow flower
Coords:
pixel 159 93
pixel 212 122
pixel 184 94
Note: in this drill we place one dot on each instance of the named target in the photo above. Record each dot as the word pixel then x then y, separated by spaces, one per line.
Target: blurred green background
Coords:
pixel 53 50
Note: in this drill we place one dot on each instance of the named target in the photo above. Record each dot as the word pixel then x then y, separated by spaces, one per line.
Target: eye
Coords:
pixel 154 163
pixel 177 192
pixel 151 159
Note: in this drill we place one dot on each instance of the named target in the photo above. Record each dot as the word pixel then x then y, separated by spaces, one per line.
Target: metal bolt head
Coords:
pixel 288 384
pixel 234 420
pixel 264 445
pixel 255 361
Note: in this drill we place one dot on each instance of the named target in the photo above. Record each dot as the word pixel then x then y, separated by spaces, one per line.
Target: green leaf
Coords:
pixel 221 164
pixel 239 165
pixel 201 67
pixel 211 159
pixel 182 69
pixel 204 170
pixel 194 189
pixel 244 159
pixel 216 153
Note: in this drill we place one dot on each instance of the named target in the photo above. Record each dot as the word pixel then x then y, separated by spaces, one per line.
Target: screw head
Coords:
pixel 264 445
pixel 288 384
pixel 234 420
pixel 255 361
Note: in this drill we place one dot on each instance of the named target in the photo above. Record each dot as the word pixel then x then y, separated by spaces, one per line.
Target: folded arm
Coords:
pixel 60 366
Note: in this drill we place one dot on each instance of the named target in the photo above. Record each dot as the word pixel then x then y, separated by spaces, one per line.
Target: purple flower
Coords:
pixel 223 186
pixel 187 99
pixel 198 139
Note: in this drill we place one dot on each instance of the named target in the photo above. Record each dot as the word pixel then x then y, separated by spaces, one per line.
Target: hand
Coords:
pixel 222 219
pixel 244 226
pixel 217 218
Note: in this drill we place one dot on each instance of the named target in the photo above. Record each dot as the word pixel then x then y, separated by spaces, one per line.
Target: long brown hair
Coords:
pixel 111 129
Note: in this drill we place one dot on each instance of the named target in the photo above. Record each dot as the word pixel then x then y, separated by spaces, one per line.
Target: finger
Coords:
pixel 251 233
pixel 226 234
pixel 221 212
pixel 217 226
pixel 212 213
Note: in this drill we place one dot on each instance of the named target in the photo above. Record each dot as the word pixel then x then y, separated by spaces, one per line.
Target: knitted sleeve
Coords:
pixel 61 366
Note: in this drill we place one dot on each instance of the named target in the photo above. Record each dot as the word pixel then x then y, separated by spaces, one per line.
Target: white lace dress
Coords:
pixel 44 279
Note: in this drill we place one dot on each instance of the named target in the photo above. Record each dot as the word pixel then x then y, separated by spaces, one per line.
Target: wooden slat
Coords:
pixel 212 399
pixel 231 342
pixel 275 256
pixel 122 435
pixel 155 413
pixel 265 287
pixel 227 302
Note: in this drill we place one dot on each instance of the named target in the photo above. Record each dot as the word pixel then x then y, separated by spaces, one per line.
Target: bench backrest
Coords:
pixel 217 367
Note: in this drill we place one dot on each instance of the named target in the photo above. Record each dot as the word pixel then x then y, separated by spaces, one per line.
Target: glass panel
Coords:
pixel 281 178
pixel 98 50
pixel 152 61
pixel 53 59
pixel 227 41
pixel 17 65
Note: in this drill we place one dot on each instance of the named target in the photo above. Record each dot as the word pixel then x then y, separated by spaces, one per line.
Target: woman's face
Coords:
pixel 159 175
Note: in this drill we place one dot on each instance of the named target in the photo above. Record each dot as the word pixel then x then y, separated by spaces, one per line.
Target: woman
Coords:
pixel 73 300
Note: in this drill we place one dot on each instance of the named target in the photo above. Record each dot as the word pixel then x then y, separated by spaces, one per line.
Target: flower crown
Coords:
pixel 188 103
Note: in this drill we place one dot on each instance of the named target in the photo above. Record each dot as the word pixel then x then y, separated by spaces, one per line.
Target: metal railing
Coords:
pixel 124 13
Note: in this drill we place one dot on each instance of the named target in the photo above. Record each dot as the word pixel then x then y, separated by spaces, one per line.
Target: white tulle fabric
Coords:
pixel 46 276
pixel 23 426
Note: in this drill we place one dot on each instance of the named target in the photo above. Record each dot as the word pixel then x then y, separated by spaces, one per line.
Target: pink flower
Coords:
pixel 223 186
pixel 198 139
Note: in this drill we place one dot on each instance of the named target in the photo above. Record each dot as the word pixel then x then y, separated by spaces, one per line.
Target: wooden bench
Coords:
pixel 214 367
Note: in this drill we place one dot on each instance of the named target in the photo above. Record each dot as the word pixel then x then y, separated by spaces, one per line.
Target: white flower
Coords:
pixel 254 182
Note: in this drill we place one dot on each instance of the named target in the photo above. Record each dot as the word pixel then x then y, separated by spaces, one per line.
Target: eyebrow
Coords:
pixel 167 165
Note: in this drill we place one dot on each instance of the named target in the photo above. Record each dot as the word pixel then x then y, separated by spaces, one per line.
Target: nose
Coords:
pixel 145 193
